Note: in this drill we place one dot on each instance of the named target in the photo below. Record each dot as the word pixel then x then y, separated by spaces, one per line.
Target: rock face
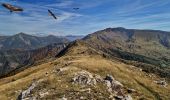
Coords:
pixel 84 78
pixel 162 83
pixel 114 87
pixel 112 84
pixel 26 92
pixel 25 95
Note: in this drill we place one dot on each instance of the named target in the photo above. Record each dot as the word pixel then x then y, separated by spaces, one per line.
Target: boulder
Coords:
pixel 116 89
pixel 131 90
pixel 126 97
pixel 24 95
pixel 63 98
pixel 109 78
pixel 98 78
pixel 62 69
pixel 84 78
pixel 162 82
pixel 112 84
pixel 27 92
pixel 42 94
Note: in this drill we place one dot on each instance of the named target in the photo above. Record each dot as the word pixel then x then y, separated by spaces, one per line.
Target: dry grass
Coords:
pixel 60 85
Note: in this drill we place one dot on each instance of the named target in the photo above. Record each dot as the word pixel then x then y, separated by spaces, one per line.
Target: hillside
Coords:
pixel 150 43
pixel 24 41
pixel 12 61
pixel 108 64
pixel 146 46
pixel 82 72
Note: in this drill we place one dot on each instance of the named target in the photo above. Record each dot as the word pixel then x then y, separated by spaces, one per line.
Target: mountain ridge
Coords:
pixel 149 47
pixel 27 42
pixel 13 61
pixel 130 39
pixel 84 72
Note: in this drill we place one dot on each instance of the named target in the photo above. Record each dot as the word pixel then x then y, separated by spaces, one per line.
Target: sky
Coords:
pixel 92 16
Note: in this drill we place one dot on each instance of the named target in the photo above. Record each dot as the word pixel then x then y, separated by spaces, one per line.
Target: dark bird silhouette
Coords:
pixel 12 8
pixel 52 14
pixel 76 8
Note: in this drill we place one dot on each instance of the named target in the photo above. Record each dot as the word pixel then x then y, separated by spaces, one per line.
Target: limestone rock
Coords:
pixel 161 82
pixel 112 84
pixel 84 78
pixel 26 92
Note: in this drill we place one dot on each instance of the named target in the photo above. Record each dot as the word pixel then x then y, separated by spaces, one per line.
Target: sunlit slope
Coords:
pixel 150 43
pixel 145 46
pixel 55 78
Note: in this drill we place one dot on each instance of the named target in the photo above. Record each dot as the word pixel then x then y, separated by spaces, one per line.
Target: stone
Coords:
pixel 84 78
pixel 109 85
pixel 162 82
pixel 26 92
pixel 118 97
pixel 98 78
pixel 126 97
pixel 109 78
pixel 112 84
pixel 63 98
pixel 62 69
pixel 81 98
pixel 24 95
pixel 88 90
pixel 131 90
pixel 43 94
pixel 116 89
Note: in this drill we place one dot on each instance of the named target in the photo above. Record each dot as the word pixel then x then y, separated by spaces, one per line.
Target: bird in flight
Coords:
pixel 52 14
pixel 12 8
pixel 76 8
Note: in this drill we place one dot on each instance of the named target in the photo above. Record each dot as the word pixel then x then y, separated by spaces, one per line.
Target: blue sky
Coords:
pixel 93 15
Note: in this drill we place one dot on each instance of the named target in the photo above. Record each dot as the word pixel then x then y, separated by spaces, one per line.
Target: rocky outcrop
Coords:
pixel 162 82
pixel 27 92
pixel 112 84
pixel 114 87
pixel 84 78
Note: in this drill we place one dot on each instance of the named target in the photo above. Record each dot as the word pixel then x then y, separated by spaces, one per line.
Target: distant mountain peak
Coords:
pixel 51 36
pixel 21 33
pixel 26 42
pixel 115 29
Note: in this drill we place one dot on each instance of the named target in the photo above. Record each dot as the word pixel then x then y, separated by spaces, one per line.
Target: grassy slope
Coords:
pixel 80 57
pixel 145 43
pixel 142 46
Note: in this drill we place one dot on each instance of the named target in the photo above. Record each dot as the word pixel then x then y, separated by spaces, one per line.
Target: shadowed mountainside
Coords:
pixel 24 41
pixel 12 61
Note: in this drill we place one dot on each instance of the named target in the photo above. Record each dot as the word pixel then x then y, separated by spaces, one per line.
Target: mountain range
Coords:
pixel 146 46
pixel 114 63
pixel 24 41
